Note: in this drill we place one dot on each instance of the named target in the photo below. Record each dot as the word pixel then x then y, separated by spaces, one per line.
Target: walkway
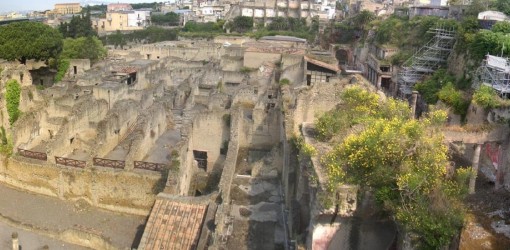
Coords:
pixel 54 215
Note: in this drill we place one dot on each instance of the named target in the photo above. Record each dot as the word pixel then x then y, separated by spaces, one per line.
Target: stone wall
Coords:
pixel 208 134
pixel 228 173
pixel 295 73
pixel 115 126
pixel 256 59
pixel 155 123
pixel 77 67
pixel 121 191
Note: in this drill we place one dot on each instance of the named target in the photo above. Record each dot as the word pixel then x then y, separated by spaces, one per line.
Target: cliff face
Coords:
pixel 461 65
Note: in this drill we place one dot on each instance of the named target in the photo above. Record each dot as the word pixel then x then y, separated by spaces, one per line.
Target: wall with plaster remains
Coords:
pixel 120 191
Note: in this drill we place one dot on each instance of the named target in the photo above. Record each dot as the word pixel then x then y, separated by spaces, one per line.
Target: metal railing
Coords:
pixel 150 165
pixel 109 163
pixel 32 154
pixel 70 162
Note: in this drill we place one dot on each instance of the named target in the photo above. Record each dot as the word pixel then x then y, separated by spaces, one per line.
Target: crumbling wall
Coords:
pixel 228 173
pixel 294 73
pixel 115 126
pixel 256 59
pixel 155 123
pixel 315 101
pixel 119 191
pixel 77 67
pixel 80 120
pixel 210 130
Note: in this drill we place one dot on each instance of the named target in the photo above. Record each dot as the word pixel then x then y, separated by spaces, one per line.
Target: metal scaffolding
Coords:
pixel 427 59
pixel 494 72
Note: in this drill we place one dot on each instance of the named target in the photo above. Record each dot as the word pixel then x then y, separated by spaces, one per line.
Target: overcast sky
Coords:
pixel 19 5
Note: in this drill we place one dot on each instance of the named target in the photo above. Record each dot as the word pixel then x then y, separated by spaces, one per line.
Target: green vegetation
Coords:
pixel 209 27
pixel 6 145
pixel 168 19
pixel 29 40
pixel 503 6
pixel 79 26
pixel 486 41
pixel 83 48
pixel 241 24
pixel 433 84
pixel 148 35
pixel 153 6
pixel 487 98
pixel 401 160
pixel 454 98
pixel 12 98
pixel 284 81
pixel 63 66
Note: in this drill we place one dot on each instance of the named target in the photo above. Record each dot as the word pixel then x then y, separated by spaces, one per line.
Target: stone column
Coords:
pixel 476 159
pixel 414 100
pixel 15 241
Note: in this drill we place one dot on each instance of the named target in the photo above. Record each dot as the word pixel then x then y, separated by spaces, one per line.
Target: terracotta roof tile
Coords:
pixel 173 225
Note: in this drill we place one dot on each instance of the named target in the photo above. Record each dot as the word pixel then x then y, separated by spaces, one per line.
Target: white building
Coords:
pixel 139 18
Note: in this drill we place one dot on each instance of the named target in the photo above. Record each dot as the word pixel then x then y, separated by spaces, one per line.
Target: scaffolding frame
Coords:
pixel 495 73
pixel 427 59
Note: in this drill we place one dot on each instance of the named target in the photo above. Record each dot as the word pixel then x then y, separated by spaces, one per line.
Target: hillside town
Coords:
pixel 278 124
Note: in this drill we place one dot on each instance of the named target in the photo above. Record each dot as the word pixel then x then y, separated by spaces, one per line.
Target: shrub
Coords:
pixel 454 98
pixel 284 81
pixel 486 97
pixel 63 66
pixel 12 96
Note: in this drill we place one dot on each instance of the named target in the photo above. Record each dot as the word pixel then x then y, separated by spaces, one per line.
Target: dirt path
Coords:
pixel 56 215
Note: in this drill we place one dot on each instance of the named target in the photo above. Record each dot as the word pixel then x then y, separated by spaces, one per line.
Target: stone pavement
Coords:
pixel 51 214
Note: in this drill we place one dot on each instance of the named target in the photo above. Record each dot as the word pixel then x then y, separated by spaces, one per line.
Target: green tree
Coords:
pixel 503 6
pixel 242 24
pixel 488 42
pixel 168 19
pixel 12 99
pixel 402 161
pixel 117 39
pixel 503 27
pixel 29 40
pixel 79 26
pixel 83 48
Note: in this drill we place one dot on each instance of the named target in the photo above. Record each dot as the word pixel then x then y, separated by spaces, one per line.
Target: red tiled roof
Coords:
pixel 173 225
pixel 128 70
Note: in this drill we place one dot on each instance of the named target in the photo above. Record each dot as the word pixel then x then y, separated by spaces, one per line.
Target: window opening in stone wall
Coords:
pixel 75 70
pixel 71 140
pixel 41 81
pixel 201 158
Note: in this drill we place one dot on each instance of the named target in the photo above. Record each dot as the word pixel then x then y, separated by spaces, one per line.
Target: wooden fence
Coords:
pixel 70 162
pixel 109 163
pixel 149 165
pixel 33 154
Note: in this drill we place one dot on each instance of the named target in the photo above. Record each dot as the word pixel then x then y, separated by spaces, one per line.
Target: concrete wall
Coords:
pixel 119 191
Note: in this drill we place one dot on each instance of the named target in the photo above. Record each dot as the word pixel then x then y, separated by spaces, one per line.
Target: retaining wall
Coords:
pixel 120 191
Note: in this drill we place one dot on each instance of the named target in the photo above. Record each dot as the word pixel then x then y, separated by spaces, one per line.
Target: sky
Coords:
pixel 20 5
